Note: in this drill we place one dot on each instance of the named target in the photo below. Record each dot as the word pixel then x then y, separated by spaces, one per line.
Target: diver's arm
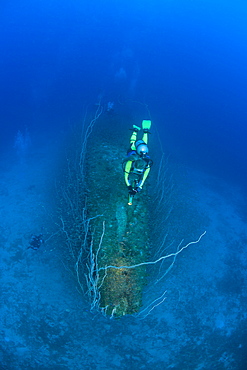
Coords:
pixel 127 172
pixel 145 175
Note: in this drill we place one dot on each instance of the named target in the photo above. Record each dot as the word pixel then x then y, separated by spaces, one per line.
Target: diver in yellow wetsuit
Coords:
pixel 137 164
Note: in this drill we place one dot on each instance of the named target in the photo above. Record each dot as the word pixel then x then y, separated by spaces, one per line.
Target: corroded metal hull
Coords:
pixel 119 232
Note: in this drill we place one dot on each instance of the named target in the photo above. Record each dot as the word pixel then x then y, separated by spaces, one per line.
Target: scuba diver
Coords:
pixel 137 164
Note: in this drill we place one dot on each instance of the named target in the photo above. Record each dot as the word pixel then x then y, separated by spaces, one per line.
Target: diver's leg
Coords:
pixel 134 136
pixel 145 137
pixel 146 125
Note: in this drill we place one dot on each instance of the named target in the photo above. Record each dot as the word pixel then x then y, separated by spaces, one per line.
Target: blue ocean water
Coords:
pixel 186 60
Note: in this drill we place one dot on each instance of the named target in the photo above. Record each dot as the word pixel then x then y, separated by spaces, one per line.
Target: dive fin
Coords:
pixel 146 124
pixel 136 128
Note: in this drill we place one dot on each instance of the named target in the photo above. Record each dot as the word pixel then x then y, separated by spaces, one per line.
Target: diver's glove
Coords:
pixel 137 189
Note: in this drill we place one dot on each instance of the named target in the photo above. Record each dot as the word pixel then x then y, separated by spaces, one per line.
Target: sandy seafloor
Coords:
pixel 47 324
